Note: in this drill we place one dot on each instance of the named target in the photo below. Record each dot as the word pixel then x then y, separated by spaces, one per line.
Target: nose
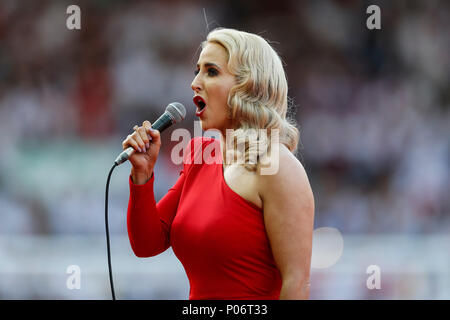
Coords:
pixel 196 85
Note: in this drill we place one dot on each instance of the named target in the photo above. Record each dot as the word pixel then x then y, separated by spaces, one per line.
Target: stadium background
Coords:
pixel 372 107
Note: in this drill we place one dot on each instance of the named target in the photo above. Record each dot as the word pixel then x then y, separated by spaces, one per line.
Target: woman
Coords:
pixel 239 234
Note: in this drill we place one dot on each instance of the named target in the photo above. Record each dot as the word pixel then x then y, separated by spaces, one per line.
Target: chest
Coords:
pixel 213 220
pixel 244 183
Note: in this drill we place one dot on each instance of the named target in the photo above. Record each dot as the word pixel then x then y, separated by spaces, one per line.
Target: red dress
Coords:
pixel 218 236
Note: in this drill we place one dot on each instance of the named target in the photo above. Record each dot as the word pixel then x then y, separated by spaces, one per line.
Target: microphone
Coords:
pixel 175 112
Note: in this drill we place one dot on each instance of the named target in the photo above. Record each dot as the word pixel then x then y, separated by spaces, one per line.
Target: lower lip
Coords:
pixel 199 113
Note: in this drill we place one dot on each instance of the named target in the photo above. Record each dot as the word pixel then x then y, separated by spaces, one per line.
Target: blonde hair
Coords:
pixel 259 98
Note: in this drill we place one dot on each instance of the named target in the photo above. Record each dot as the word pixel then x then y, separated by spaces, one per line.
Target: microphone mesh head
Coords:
pixel 177 111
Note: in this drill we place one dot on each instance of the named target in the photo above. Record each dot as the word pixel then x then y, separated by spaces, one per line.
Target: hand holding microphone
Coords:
pixel 146 143
pixel 141 147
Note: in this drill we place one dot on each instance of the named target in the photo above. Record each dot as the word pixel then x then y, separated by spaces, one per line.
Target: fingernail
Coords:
pixel 147 145
pixel 145 149
pixel 140 150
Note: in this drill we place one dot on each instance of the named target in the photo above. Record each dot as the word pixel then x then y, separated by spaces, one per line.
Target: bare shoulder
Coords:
pixel 288 208
pixel 284 166
pixel 288 179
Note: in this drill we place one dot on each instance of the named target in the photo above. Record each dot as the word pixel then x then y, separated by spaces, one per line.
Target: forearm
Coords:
pixel 149 222
pixel 145 230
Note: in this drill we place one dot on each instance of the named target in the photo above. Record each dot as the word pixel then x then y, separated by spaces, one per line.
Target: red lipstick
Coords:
pixel 201 105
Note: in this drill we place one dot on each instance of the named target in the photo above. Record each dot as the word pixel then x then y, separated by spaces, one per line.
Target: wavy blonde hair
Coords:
pixel 259 98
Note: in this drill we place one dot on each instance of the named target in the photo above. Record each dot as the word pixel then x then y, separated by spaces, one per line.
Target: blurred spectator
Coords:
pixel 372 106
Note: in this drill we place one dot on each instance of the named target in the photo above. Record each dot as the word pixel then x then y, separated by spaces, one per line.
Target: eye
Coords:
pixel 212 72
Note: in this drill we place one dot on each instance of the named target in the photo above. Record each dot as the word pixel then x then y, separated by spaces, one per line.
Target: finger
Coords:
pixel 137 137
pixel 130 142
pixel 143 135
pixel 156 138
pixel 148 126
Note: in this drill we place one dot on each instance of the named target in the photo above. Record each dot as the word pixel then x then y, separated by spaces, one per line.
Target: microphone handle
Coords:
pixel 161 124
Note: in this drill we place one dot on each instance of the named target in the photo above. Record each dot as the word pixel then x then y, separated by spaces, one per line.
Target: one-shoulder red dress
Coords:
pixel 218 236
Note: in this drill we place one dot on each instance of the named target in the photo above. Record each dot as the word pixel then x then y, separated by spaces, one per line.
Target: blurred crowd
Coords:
pixel 372 105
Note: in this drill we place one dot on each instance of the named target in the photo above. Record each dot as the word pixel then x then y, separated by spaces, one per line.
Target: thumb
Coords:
pixel 152 134
pixel 155 135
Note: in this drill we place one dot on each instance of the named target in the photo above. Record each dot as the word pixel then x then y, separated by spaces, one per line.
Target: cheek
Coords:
pixel 223 91
pixel 218 96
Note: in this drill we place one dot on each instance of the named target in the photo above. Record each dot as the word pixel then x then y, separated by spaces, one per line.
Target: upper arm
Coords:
pixel 288 206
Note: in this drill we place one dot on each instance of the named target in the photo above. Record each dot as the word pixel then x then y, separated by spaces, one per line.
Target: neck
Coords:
pixel 223 145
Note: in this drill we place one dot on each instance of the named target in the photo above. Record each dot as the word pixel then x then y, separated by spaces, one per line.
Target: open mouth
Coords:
pixel 200 103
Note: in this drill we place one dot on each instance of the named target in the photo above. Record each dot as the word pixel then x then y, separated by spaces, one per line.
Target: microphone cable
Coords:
pixel 107 232
pixel 175 112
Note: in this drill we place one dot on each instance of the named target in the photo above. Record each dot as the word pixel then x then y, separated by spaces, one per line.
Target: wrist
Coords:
pixel 141 176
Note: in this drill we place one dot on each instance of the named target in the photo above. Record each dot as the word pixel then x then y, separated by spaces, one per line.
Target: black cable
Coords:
pixel 107 233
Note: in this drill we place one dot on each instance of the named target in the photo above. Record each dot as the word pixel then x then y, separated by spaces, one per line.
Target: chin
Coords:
pixel 205 126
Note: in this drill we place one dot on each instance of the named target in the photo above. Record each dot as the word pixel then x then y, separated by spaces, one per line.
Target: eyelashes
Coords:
pixel 211 72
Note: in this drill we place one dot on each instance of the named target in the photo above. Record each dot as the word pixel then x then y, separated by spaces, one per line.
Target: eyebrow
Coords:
pixel 209 64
